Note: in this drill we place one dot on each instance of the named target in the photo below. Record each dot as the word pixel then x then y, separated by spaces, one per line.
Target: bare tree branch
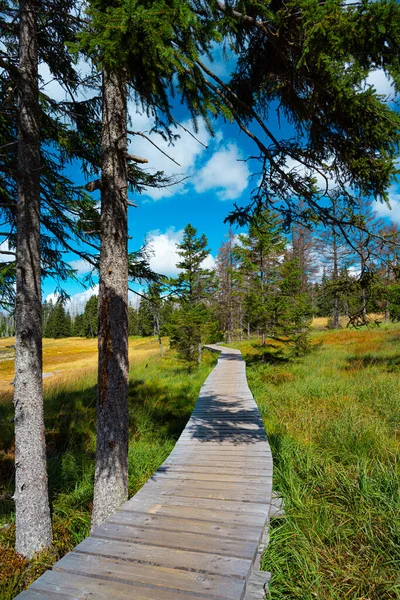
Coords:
pixel 153 144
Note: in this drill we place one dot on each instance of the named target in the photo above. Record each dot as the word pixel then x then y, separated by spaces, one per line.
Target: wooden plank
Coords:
pixel 178 474
pixel 32 594
pixel 226 505
pixel 257 584
pixel 214 586
pixel 198 562
pixel 210 528
pixel 255 470
pixel 225 444
pixel 232 462
pixel 231 487
pixel 223 496
pixel 197 513
pixel 193 451
pixel 80 587
pixel 176 540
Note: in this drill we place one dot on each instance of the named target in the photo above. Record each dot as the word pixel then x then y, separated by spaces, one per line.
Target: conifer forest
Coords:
pixel 176 174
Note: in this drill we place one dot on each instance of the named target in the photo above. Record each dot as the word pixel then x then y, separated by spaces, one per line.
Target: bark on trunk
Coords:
pixel 364 305
pixel 158 332
pixel 199 353
pixel 335 279
pixel 387 311
pixel 111 476
pixel 336 312
pixel 33 522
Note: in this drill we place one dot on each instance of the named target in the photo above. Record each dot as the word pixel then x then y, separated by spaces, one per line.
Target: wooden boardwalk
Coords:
pixel 194 530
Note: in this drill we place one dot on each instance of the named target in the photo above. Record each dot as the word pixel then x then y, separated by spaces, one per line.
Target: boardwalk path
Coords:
pixel 193 530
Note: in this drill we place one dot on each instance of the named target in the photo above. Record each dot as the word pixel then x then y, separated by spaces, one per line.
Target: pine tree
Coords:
pixel 260 255
pixel 389 265
pixel 133 326
pixel 335 254
pixel 61 322
pixel 191 290
pixel 276 304
pixel 35 195
pixel 311 59
pixel 148 47
pixel 34 530
pixel 293 311
pixel 90 317
pixel 229 298
pixel 145 318
pixel 78 328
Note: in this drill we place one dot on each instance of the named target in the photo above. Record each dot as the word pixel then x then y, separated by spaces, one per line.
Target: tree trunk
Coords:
pixel 111 476
pixel 158 333
pixel 33 522
pixel 199 353
pixel 364 305
pixel 387 310
pixel 336 312
pixel 335 280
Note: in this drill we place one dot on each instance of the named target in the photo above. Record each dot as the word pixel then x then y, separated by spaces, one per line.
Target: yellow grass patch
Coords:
pixel 322 322
pixel 67 358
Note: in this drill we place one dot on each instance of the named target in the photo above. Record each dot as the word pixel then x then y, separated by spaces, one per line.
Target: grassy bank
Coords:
pixel 333 420
pixel 161 398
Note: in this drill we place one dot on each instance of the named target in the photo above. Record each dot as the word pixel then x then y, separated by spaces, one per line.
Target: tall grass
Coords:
pixel 161 398
pixel 333 420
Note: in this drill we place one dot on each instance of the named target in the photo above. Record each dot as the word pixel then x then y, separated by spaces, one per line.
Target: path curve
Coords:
pixel 194 530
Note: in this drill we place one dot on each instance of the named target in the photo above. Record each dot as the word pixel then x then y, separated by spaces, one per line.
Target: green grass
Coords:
pixel 161 398
pixel 333 419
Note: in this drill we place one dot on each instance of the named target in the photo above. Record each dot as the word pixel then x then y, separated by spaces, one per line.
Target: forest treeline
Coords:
pixel 264 283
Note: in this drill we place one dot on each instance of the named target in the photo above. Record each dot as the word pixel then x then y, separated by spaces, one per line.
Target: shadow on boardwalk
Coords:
pixel 217 420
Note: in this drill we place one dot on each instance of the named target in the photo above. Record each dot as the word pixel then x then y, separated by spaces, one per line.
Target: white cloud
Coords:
pixel 76 303
pixel 164 247
pixel 392 211
pixel 322 184
pixel 165 255
pixel 222 62
pixel 52 297
pixel 381 82
pixel 208 262
pixel 4 247
pixel 52 88
pixel 186 151
pixel 224 173
pixel 50 85
pixel 81 266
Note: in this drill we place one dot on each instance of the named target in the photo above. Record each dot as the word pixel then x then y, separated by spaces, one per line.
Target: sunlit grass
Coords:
pixel 333 421
pixel 162 394
pixel 322 322
pixel 67 357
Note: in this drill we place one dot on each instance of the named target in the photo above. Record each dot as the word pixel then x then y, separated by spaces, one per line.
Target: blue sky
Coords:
pixel 216 176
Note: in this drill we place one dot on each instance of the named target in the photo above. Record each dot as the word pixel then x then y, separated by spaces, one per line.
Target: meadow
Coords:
pixel 69 357
pixel 162 394
pixel 332 418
